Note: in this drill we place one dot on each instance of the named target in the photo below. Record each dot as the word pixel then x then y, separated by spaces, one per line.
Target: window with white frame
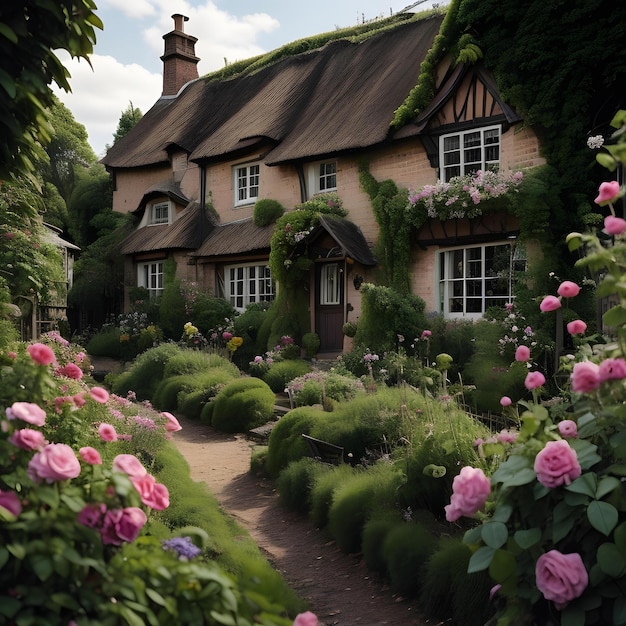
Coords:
pixel 321 177
pixel 478 277
pixel 150 276
pixel 244 284
pixel 330 284
pixel 469 151
pixel 246 183
pixel 159 213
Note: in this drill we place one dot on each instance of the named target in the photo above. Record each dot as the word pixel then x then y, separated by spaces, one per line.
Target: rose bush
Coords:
pixel 553 535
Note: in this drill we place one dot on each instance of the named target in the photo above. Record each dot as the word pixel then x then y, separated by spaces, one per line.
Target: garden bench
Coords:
pixel 323 451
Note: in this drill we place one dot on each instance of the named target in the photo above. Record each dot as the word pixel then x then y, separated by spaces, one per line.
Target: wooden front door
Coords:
pixel 329 307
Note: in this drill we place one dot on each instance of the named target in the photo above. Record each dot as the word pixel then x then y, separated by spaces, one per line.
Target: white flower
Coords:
pixel 597 141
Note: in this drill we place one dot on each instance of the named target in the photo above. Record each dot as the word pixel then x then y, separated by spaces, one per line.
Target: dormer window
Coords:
pixel 159 213
pixel 469 151
pixel 246 183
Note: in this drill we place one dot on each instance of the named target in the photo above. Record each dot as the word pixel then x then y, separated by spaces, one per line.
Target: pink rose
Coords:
pixel 577 327
pixel 612 369
pixel 129 464
pixel 152 494
pixel 561 577
pixel 27 412
pixel 71 370
pixel 614 225
pixel 426 334
pixel 121 525
pixel 40 353
pixel 171 424
pixel 90 455
pixel 505 401
pixel 470 490
pixel 568 289
pixel 568 429
pixel 79 400
pixel 226 335
pixel 507 436
pixel 56 461
pixel 306 619
pixel 607 192
pixel 550 303
pixel 557 464
pixel 107 432
pixel 534 380
pixel 10 501
pixel 91 515
pixel 99 394
pixel 522 353
pixel 585 377
pixel 28 439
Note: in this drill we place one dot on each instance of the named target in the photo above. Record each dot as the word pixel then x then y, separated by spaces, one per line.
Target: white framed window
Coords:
pixel 469 151
pixel 159 213
pixel 330 284
pixel 246 183
pixel 150 276
pixel 475 278
pixel 244 284
pixel 321 177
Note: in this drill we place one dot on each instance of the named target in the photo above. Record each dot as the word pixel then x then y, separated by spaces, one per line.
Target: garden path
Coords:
pixel 338 587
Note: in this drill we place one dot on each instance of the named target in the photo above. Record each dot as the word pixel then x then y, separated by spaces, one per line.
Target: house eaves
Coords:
pixel 169 188
pixel 348 237
pixel 236 238
pixel 186 233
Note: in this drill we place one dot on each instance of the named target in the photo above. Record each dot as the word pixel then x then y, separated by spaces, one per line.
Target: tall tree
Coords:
pixel 30 33
pixel 129 117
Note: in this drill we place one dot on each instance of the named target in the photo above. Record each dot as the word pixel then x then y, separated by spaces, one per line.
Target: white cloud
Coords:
pixel 99 96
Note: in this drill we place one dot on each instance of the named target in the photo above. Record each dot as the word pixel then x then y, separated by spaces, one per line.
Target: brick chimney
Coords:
pixel 179 59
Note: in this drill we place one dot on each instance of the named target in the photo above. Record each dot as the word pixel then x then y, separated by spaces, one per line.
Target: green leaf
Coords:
pixel 615 316
pixel 42 566
pixel 515 471
pixel 564 517
pixel 481 559
pixel 157 598
pixel 65 600
pixel 619 610
pixel 602 516
pixel 606 161
pixel 502 513
pixel 586 452
pixel 585 484
pixel 611 561
pixel 606 485
pixel 503 567
pixel 572 616
pixel 49 495
pixel 527 538
pixel 472 535
pixel 4 556
pixel 494 534
pixel 9 606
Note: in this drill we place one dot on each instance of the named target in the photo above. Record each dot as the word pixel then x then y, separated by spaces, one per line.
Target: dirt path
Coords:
pixel 338 587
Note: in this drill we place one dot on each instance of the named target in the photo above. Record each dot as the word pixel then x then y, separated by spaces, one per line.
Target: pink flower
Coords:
pixel 561 577
pixel 614 225
pixel 121 525
pixel 40 353
pixel 90 455
pixel 585 377
pixel 425 334
pixel 522 353
pixel 550 303
pixel 612 369
pixel 107 432
pixel 91 515
pixel 505 401
pixel 568 289
pixel 27 412
pixel 577 327
pixel 10 501
pixel 470 490
pixel 226 335
pixel 12 355
pixel 28 439
pixel 56 461
pixel 80 357
pixel 557 464
pixel 71 370
pixel 306 619
pixel 129 464
pixel 79 400
pixel 99 394
pixel 494 590
pixel 507 436
pixel 568 429
pixel 607 192
pixel 171 425
pixel 152 494
pixel 534 380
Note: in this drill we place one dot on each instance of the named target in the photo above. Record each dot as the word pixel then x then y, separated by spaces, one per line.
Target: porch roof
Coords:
pixel 349 238
pixel 236 238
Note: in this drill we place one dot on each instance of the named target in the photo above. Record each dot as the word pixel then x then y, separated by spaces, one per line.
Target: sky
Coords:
pixel 126 66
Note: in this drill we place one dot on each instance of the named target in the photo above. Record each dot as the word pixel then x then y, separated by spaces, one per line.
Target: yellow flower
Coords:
pixel 234 343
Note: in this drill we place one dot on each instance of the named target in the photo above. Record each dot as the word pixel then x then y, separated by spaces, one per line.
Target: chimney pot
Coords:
pixel 179 59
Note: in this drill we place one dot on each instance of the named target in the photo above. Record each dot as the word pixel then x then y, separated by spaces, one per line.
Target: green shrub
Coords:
pixel 248 326
pixel 257 460
pixel 282 372
pixel 191 404
pixel 311 344
pixel 316 385
pixel 355 501
pixel 375 531
pixel 241 405
pixel 285 443
pixel 209 312
pixel 323 490
pixel 191 361
pixel 295 482
pixel 267 211
pixel 407 546
pixel 145 373
pixel 105 343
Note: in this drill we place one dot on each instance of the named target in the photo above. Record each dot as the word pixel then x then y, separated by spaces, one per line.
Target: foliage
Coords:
pixel 374 532
pixel 281 373
pixel 295 482
pixel 128 119
pixel 314 386
pixel 105 342
pixel 267 211
pixel 311 344
pixel 323 492
pixel 33 31
pixel 241 405
pixel 172 314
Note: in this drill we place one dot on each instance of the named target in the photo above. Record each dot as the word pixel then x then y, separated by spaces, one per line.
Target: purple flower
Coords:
pixel 183 546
